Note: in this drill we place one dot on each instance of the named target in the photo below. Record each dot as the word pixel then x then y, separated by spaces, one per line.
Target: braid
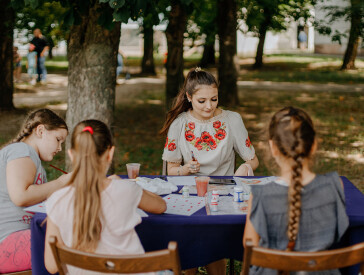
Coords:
pixel 292 131
pixel 26 131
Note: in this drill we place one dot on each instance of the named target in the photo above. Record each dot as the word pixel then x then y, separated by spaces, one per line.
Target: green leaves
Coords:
pixel 116 4
pixel 121 15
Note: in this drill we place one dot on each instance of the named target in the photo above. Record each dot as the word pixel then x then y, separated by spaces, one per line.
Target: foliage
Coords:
pixel 274 14
pixel 333 13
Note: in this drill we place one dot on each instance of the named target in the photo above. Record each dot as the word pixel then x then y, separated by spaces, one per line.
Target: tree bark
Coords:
pixel 6 55
pixel 92 57
pixel 354 38
pixel 174 33
pixel 260 48
pixel 148 59
pixel 228 73
pixel 208 56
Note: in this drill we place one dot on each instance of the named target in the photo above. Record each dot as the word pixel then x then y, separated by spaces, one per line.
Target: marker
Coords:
pixel 64 172
pixel 193 156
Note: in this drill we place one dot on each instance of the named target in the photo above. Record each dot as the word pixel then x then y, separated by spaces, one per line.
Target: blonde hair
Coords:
pixel 88 146
pixel 291 129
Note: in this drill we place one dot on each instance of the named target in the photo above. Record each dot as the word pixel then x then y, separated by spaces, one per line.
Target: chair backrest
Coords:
pixel 26 272
pixel 148 262
pixel 164 169
pixel 285 261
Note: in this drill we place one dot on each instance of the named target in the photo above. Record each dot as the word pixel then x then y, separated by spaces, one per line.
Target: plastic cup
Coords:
pixel 133 170
pixel 201 185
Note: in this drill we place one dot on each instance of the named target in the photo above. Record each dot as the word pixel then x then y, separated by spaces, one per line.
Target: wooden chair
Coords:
pixel 26 272
pixel 148 262
pixel 284 261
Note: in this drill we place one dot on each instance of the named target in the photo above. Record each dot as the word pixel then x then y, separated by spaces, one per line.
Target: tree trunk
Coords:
pixel 92 57
pixel 262 33
pixel 174 33
pixel 227 18
pixel 208 56
pixel 148 60
pixel 6 55
pixel 354 38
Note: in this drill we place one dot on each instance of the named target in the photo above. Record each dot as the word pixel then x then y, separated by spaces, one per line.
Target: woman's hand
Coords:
pixel 244 170
pixel 193 166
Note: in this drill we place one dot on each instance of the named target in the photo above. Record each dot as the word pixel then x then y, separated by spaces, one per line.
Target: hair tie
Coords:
pixel 88 129
pixel 198 69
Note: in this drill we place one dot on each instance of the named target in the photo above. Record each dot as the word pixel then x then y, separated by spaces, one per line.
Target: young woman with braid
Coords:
pixel 94 213
pixel 23 182
pixel 300 211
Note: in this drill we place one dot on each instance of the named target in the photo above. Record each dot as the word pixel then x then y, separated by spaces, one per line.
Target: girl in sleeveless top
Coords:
pixel 300 211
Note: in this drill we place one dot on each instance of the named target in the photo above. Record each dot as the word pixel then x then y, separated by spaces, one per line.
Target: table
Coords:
pixel 201 238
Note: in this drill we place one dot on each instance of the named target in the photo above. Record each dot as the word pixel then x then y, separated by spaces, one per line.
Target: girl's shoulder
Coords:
pixel 180 120
pixel 124 186
pixel 18 150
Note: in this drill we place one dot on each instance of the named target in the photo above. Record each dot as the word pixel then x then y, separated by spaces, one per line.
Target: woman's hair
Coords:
pixel 195 77
pixel 46 117
pixel 292 131
pixel 90 140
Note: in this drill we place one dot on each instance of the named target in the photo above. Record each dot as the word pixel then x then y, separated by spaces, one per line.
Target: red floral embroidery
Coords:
pixel 172 146
pixel 206 137
pixel 198 144
pixel 216 124
pixel 165 145
pixel 248 142
pixel 220 134
pixel 212 144
pixel 206 141
pixel 189 135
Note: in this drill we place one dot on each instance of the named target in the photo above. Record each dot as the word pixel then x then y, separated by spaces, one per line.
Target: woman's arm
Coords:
pixel 243 169
pixel 152 203
pixel 49 261
pixel 249 231
pixel 191 167
pixel 21 189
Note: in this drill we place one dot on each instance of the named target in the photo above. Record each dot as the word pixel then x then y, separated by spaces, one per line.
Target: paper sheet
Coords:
pixel 222 189
pixel 182 180
pixel 254 181
pixel 178 205
pixel 37 208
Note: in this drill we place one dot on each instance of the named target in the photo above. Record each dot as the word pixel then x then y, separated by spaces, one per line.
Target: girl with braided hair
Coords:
pixel 94 213
pixel 300 211
pixel 23 182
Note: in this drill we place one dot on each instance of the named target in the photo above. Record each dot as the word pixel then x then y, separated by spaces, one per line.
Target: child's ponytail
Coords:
pixel 90 140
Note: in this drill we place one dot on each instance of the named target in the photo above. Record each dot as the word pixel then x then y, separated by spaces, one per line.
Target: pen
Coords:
pixel 193 156
pixel 64 172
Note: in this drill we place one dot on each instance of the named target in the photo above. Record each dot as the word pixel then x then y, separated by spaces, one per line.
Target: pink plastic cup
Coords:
pixel 133 170
pixel 201 185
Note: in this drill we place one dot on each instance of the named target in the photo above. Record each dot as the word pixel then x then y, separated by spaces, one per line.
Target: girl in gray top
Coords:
pixel 301 211
pixel 23 183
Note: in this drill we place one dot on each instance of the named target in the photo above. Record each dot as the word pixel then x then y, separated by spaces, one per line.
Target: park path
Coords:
pixel 55 90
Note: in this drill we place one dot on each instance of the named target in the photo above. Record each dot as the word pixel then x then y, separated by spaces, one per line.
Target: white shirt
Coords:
pixel 212 141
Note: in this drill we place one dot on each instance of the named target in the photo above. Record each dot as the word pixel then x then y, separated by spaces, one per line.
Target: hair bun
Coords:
pixel 198 69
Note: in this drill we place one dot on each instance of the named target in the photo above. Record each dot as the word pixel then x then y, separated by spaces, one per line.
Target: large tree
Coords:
pixel 352 11
pixel 174 33
pixel 276 15
pixel 227 25
pixel 6 55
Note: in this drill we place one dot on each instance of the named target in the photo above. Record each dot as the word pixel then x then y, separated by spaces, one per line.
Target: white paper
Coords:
pixel 37 208
pixel 156 185
pixel 182 180
pixel 178 205
pixel 254 181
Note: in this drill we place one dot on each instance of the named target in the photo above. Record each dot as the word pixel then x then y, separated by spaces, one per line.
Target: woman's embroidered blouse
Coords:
pixel 212 141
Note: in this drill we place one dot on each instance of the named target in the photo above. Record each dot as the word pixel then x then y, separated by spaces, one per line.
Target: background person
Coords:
pixel 32 64
pixel 41 47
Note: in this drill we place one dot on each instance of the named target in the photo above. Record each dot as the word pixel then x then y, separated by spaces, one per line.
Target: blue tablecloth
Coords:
pixel 202 238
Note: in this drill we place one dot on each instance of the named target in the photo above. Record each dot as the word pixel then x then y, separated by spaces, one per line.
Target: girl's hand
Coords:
pixel 64 179
pixel 193 166
pixel 244 170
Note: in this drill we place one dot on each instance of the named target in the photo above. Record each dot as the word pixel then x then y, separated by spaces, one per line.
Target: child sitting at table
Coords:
pixel 95 213
pixel 300 211
pixel 23 182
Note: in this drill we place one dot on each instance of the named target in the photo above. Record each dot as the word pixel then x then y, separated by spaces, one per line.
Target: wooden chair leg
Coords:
pixel 232 266
pixel 26 272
